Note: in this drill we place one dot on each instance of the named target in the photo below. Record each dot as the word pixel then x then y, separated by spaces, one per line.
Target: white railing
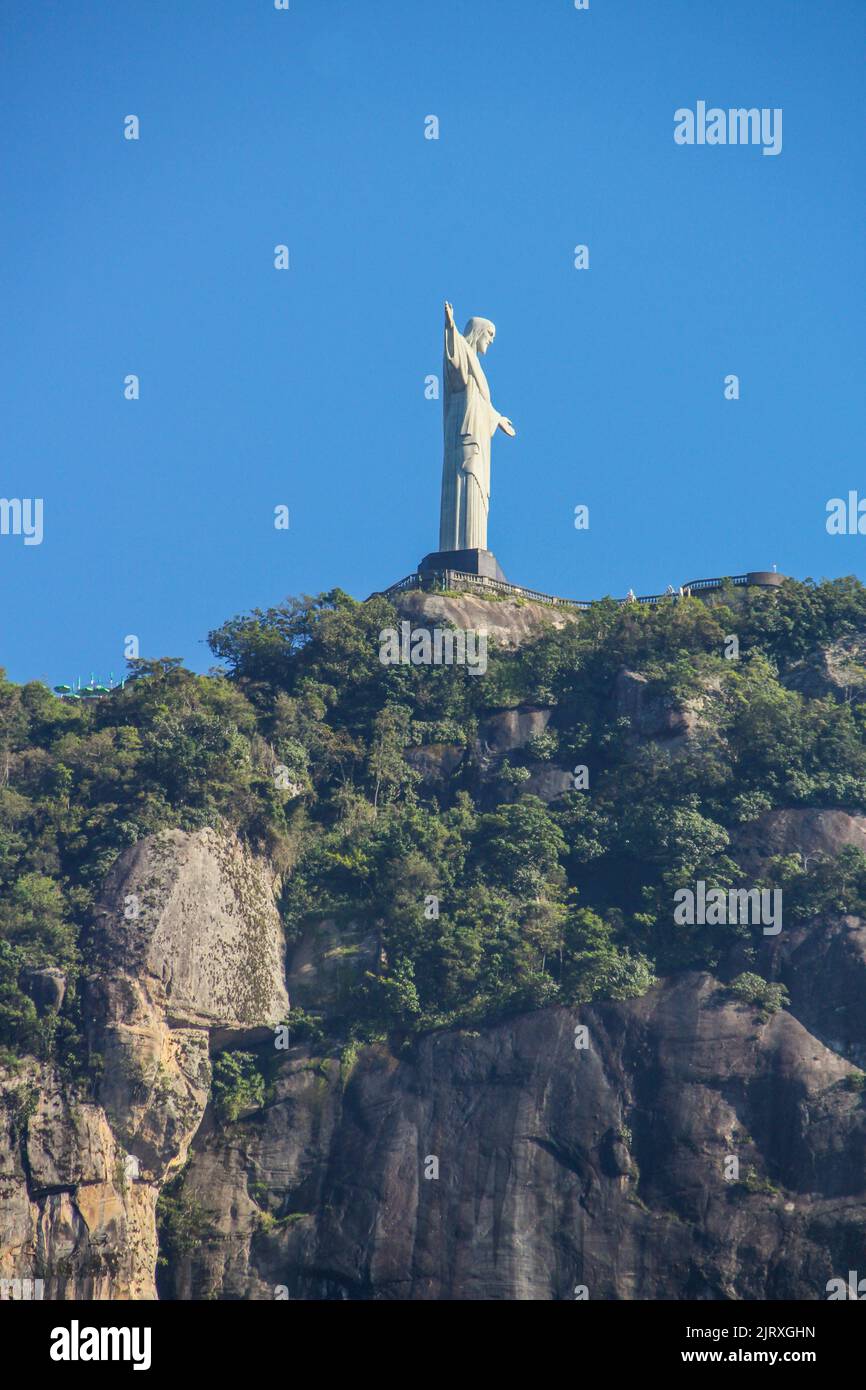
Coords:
pixel 455 579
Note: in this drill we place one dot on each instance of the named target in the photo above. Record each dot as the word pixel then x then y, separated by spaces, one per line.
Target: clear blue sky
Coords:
pixel 306 387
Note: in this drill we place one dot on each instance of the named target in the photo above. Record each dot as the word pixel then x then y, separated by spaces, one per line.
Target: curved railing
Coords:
pixel 439 580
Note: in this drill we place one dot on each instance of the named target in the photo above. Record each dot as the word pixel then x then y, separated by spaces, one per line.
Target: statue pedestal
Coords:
pixel 481 562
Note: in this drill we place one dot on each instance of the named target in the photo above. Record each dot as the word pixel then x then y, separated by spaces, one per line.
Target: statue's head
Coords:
pixel 479 334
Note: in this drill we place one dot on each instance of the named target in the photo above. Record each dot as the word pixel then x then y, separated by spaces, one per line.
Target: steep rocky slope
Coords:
pixel 559 1168
pixel 190 949
pixel 680 1144
pixel 509 621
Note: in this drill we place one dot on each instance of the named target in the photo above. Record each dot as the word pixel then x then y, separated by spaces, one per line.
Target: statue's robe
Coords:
pixel 470 422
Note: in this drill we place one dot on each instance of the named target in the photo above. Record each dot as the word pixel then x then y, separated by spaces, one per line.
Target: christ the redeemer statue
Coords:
pixel 470 421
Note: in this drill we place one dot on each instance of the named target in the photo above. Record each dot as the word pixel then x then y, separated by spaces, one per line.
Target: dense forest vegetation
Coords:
pixel 298 742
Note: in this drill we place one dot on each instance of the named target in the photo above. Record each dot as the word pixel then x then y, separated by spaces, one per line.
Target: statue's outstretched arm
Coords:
pixel 456 351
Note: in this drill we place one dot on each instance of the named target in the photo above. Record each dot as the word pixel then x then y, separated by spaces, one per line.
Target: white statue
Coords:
pixel 470 422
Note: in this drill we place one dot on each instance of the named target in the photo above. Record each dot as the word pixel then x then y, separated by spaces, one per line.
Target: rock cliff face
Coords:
pixel 507 1164
pixel 189 946
pixel 692 1148
pixel 510 622
pixel 805 832
pixel 559 1167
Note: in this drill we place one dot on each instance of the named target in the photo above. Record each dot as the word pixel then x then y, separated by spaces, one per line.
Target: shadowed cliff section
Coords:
pixel 558 1166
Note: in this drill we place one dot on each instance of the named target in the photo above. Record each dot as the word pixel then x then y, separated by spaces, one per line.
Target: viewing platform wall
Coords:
pixel 443 580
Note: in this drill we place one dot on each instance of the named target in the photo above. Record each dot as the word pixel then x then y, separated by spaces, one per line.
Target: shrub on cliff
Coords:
pixel 237 1085
pixel 750 988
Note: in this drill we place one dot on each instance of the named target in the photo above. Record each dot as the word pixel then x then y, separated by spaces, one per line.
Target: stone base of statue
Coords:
pixel 480 562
